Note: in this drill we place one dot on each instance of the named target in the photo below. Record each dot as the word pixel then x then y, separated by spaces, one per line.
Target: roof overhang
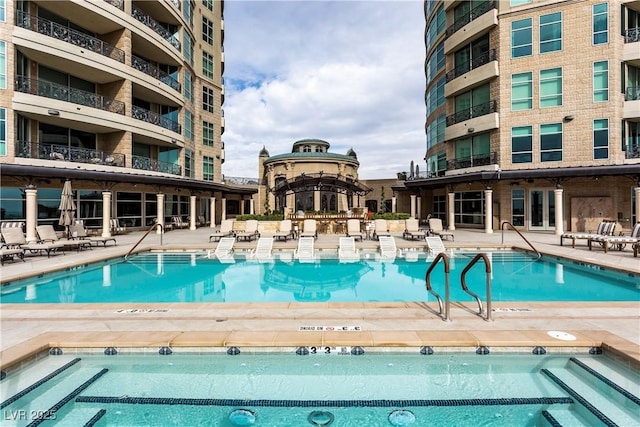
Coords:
pixel 320 181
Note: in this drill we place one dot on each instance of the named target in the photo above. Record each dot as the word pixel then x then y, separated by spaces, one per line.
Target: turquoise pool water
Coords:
pixel 193 277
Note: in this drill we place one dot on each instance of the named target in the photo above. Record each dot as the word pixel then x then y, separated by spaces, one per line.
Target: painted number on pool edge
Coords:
pixel 329 350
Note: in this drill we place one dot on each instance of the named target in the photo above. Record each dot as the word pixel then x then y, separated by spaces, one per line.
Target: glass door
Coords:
pixel 542 215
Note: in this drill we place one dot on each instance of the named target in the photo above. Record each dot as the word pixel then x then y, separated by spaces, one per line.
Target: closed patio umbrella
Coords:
pixel 67 206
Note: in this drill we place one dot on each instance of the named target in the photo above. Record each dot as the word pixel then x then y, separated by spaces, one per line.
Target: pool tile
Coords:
pixel 200 339
pixel 298 338
pixel 347 338
pixel 447 338
pixel 251 338
pixel 396 339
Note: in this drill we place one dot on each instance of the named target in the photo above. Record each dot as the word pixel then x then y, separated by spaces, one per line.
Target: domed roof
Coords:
pixel 264 152
pixel 352 153
pixel 310 141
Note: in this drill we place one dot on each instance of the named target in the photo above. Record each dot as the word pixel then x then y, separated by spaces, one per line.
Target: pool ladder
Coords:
pixel 445 307
pixel 156 225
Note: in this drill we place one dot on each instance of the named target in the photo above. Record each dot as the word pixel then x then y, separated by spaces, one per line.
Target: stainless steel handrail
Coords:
pixel 488 316
pixel 447 298
pixel 520 234
pixel 145 235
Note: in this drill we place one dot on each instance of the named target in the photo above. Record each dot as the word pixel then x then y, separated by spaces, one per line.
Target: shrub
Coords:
pixel 271 217
pixel 391 215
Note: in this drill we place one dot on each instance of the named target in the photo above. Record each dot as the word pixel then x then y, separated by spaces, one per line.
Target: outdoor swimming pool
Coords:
pixel 193 277
pixel 320 389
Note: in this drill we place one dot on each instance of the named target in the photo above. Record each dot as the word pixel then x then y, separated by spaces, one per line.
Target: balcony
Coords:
pixel 46 151
pixel 473 112
pixel 145 163
pixel 476 62
pixel 474 14
pixel 116 3
pixel 155 118
pixel 632 93
pixel 631 109
pixel 632 152
pixel 473 161
pixel 65 93
pixel 176 3
pixel 155 26
pixel 66 34
pixel 155 72
pixel 632 35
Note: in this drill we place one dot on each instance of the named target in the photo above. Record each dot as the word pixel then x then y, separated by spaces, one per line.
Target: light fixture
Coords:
pixel 471 130
pixel 54 112
pixel 568 118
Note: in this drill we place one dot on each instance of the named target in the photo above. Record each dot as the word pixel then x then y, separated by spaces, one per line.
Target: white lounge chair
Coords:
pixel 412 230
pixel 305 251
pixel 250 231
pixel 7 254
pixel 264 248
pixel 224 250
pixel 380 229
pixel 47 234
pixel 115 227
pixel 347 251
pixel 617 241
pixel 285 230
pixel 605 228
pixel 309 228
pixel 435 245
pixel 14 239
pixel 353 228
pixel 436 228
pixel 388 250
pixel 225 230
pixel 77 231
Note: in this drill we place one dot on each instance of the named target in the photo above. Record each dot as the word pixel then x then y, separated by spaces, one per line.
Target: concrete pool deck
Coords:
pixel 27 330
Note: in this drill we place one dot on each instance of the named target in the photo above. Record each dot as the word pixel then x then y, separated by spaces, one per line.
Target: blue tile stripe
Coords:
pixel 38 383
pixel 55 408
pixel 595 411
pixel 632 397
pixel 92 422
pixel 551 419
pixel 325 403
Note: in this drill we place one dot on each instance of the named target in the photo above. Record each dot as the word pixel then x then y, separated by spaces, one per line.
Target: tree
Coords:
pixel 383 205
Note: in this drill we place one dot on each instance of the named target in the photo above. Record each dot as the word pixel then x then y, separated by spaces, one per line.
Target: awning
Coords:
pixel 320 181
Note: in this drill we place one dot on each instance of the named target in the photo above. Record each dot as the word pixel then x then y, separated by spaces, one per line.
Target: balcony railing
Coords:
pixel 476 62
pixel 155 72
pixel 475 111
pixel 154 118
pixel 632 35
pixel 66 34
pixel 474 13
pixel 155 26
pixel 117 3
pixel 468 162
pixel 47 151
pixel 632 93
pixel 632 152
pixel 176 3
pixel 145 163
pixel 65 93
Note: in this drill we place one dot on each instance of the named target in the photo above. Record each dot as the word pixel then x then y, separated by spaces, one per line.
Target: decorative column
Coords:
pixel 413 205
pixel 241 205
pixel 192 212
pixel 636 192
pixel 251 206
pixel 223 207
pixel 212 209
pixel 557 195
pixel 394 204
pixel 488 211
pixel 418 207
pixel 451 211
pixel 160 212
pixel 32 213
pixel 106 214
pixel 316 200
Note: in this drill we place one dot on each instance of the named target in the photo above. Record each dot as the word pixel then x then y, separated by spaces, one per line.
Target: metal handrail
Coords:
pixel 157 224
pixel 520 234
pixel 447 298
pixel 465 288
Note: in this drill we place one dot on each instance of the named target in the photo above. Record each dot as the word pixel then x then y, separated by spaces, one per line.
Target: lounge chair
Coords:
pixel 225 230
pixel 7 254
pixel 115 227
pixel 77 231
pixel 177 222
pixel 14 239
pixel 347 251
pixel 264 248
pixel 617 241
pixel 412 230
pixel 435 245
pixel 605 228
pixel 285 230
pixel 353 229
pixel 309 228
pixel 380 229
pixel 46 234
pixel 436 228
pixel 250 231
pixel 388 250
pixel 224 250
pixel 305 251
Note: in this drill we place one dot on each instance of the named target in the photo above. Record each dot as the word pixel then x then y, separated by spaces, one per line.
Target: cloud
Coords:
pixel 351 73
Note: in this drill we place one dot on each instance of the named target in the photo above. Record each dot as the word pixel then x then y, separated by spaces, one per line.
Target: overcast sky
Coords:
pixel 348 72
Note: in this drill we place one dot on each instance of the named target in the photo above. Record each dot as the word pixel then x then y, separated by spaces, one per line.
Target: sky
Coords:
pixel 347 72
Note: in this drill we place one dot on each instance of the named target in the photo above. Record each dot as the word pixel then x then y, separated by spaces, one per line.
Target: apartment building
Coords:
pixel 532 114
pixel 125 99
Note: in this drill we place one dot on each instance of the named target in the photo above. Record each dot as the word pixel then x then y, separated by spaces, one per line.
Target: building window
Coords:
pixel 551 142
pixel 437 165
pixel 306 149
pixel 439 206
pixel 188 48
pixel 207 65
pixel 522 144
pixel 188 125
pixel 551 88
pixel 207 134
pixel 187 11
pixel 207 31
pixel 436 26
pixel 435 131
pixel 3 9
pixel 551 32
pixel 521 91
pixel 518 2
pixel 517 207
pixel 3 131
pixel 207 168
pixel 469 207
pixel 435 96
pixel 473 151
pixel 188 163
pixel 188 86
pixel 600 81
pixel 208 4
pixel 3 65
pixel 207 99
pixel 601 139
pixel 521 38
pixel 436 62
pixel 600 23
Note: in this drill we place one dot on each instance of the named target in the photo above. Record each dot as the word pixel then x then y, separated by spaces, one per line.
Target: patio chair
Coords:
pixel 225 230
pixel 616 241
pixel 309 228
pixel 14 239
pixel 224 249
pixel 177 222
pixel 250 231
pixel 412 230
pixel 285 230
pixel 605 228
pixel 77 231
pixel 347 251
pixel 388 250
pixel 435 245
pixel 115 227
pixel 7 254
pixel 436 228
pixel 380 229
pixel 353 229
pixel 305 251
pixel 264 248
pixel 46 233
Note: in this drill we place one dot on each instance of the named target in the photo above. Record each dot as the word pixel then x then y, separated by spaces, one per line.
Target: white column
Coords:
pixel 413 205
pixel 636 191
pixel 252 207
pixel 488 211
pixel 557 195
pixel 32 214
pixel 192 212
pixel 106 214
pixel 316 200
pixel 419 207
pixel 394 204
pixel 160 212
pixel 241 205
pixel 223 209
pixel 451 211
pixel 212 208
